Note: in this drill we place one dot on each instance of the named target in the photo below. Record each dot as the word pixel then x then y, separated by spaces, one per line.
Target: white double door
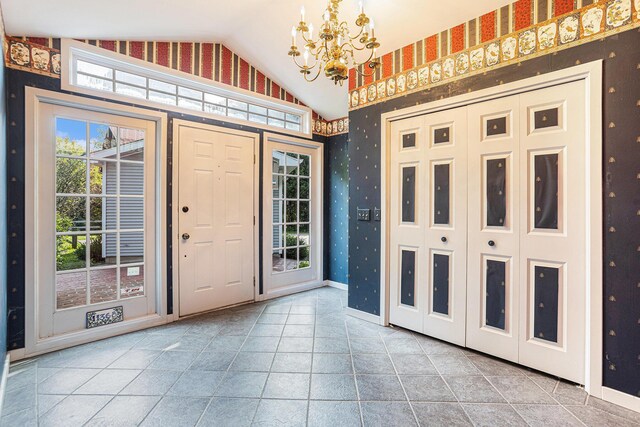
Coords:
pixel 215 218
pixel 499 254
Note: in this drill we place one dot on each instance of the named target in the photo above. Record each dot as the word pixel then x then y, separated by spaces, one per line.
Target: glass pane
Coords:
pixel 303 257
pixel 442 135
pixel 237 105
pixel 131 78
pixel 278 187
pixel 408 194
pixel 162 97
pixel 304 236
pixel 99 253
pixel 162 86
pixel 293 118
pixel 292 164
pixel 131 248
pixel 292 126
pixel 132 178
pixel 71 214
pixel 237 114
pixel 495 294
pixel 96 206
pixel 276 123
pixel 128 90
pixel 70 252
pixel 132 144
pixel 71 289
pixel 304 188
pixel 110 205
pixel 278 211
pixel 190 93
pixel 304 211
pixel 409 140
pixel 110 181
pixel 292 236
pixel 278 236
pixel 292 211
pixel 96 70
pixel 188 103
pixel 496 126
pixel 215 109
pixel 71 137
pixel 292 259
pixel 545 323
pixel 103 285
pixel 407 278
pixel 131 213
pixel 277 114
pixel 441 202
pixel 546 118
pixel 496 192
pixel 546 191
pixel 71 176
pixel 257 118
pixel 305 167
pixel 94 82
pixel 441 284
pixel 278 162
pixel 292 187
pixel 277 261
pixel 215 99
pixel 258 110
pixel 102 140
pixel 131 281
pixel 96 176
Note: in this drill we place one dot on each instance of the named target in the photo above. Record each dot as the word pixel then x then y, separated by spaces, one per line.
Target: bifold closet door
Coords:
pixel 494 225
pixel 407 259
pixel 446 225
pixel 553 230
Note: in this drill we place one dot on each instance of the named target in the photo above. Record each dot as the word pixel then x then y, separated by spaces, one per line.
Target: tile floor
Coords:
pixel 294 361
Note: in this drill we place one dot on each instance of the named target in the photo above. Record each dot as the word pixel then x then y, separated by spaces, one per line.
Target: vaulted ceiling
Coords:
pixel 257 30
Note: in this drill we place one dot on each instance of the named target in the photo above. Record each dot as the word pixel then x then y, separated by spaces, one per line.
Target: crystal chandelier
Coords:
pixel 335 49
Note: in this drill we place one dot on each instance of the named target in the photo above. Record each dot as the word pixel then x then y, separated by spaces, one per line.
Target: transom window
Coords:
pixel 291 208
pixel 99 72
pixel 99 212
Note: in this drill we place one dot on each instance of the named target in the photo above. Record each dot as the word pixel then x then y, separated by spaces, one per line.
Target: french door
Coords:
pixel 95 219
pixel 216 217
pixel 513 245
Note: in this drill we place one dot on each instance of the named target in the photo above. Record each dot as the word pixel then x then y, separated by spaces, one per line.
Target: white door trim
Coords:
pixel 591 74
pixel 175 224
pixel 266 219
pixel 34 346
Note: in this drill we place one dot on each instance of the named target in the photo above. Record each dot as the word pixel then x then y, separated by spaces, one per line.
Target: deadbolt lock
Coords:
pixel 185 209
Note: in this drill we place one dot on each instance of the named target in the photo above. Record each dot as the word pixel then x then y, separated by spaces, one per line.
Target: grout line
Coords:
pixel 353 369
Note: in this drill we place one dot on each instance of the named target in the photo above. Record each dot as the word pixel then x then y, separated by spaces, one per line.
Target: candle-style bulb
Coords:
pixel 293 36
pixel 371 28
pixel 361 5
pixel 306 56
pixel 310 31
pixel 302 13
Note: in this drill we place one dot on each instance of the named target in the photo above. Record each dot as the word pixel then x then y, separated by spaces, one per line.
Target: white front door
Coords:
pixel 292 194
pixel 96 214
pixel 216 218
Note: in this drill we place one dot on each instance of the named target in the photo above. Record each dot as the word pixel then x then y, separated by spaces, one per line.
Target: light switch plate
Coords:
pixel 377 214
pixel 364 214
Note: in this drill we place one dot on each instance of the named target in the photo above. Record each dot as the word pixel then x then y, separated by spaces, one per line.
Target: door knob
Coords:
pixel 443 239
pixel 185 209
pixel 185 236
pixel 492 243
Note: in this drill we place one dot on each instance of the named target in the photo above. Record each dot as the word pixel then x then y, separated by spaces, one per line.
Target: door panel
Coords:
pixel 493 238
pixel 216 229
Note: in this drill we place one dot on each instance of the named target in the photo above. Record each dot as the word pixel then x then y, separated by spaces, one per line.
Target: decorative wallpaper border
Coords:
pixel 331 127
pixel 595 21
pixel 35 58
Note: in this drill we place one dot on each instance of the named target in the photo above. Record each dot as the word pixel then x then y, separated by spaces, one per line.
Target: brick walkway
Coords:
pixel 71 289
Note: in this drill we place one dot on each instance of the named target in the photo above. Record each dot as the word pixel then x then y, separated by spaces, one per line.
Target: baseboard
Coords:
pixel 621 399
pixel 362 315
pixel 336 285
pixel 3 381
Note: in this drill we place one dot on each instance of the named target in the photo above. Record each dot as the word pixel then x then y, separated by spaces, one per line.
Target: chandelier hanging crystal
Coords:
pixel 336 48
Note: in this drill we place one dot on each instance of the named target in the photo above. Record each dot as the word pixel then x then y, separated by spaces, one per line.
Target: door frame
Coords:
pixel 175 209
pixel 33 345
pixel 591 74
pixel 267 245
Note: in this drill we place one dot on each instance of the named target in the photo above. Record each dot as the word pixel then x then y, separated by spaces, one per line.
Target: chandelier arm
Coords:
pixel 302 67
pixel 313 79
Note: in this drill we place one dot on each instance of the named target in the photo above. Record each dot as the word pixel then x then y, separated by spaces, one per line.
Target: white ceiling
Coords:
pixel 257 30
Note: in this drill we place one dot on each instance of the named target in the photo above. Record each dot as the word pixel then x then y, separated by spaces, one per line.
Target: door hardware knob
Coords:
pixel 185 209
pixel 492 243
pixel 444 239
pixel 185 236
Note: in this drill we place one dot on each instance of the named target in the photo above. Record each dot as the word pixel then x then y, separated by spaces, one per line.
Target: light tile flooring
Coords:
pixel 298 360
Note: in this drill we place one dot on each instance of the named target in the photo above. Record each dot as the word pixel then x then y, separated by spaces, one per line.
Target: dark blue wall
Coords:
pixel 621 118
pixel 337 208
pixel 3 219
pixel 15 151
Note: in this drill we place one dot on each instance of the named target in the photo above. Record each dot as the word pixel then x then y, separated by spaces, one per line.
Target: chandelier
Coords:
pixel 336 48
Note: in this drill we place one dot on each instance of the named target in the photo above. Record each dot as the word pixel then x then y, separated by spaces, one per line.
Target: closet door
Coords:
pixel 407 258
pixel 494 224
pixel 553 230
pixel 446 225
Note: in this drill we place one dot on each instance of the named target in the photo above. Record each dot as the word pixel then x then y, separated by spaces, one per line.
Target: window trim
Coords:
pixel 72 51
